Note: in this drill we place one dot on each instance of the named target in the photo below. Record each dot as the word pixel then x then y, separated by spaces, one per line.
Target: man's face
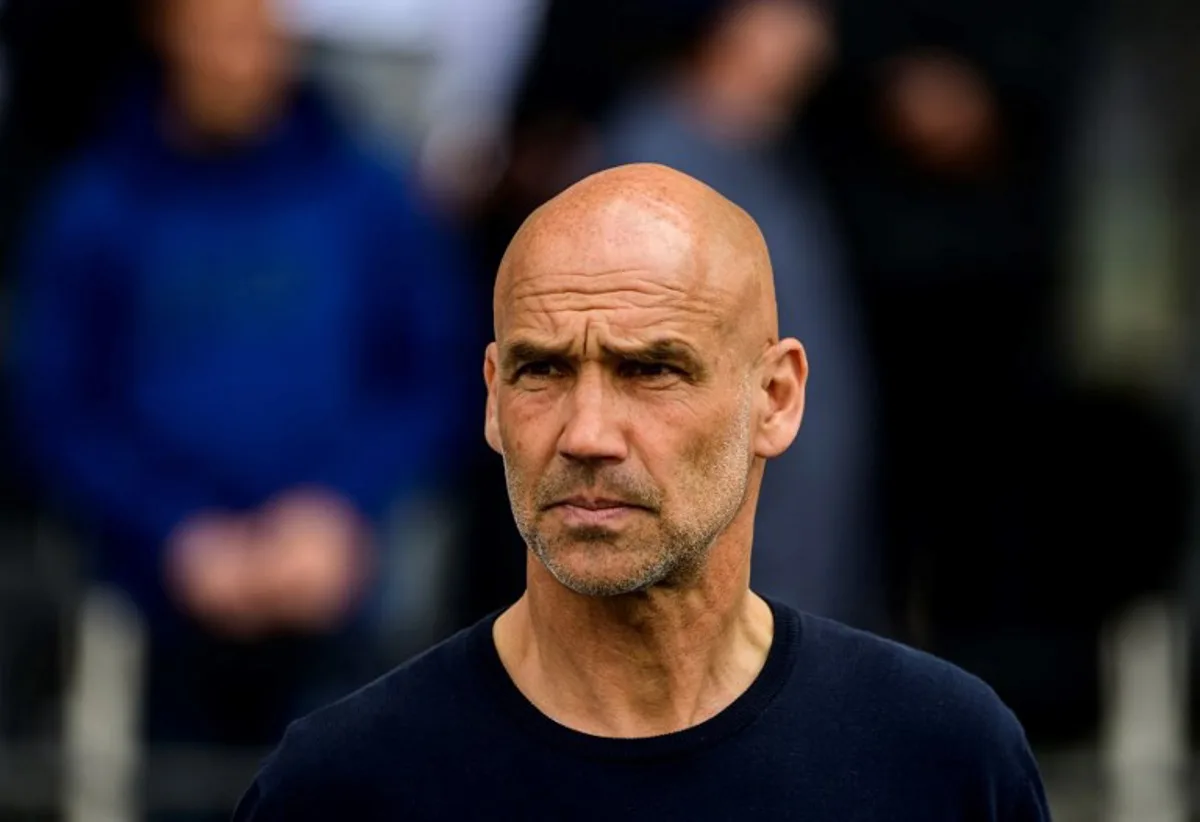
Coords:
pixel 230 62
pixel 620 405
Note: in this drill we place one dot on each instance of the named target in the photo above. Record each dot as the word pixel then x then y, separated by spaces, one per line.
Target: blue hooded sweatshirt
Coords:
pixel 203 331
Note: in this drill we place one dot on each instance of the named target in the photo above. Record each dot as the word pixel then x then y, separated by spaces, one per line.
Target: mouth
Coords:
pixel 589 503
pixel 589 511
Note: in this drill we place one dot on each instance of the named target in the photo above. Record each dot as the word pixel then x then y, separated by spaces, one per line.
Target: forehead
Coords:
pixel 621 267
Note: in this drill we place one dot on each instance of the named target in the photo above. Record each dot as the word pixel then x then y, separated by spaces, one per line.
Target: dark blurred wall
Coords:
pixel 64 56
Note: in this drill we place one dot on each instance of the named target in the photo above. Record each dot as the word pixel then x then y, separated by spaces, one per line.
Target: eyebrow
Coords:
pixel 658 351
pixel 522 352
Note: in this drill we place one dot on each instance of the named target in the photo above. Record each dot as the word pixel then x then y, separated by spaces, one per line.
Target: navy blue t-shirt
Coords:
pixel 839 726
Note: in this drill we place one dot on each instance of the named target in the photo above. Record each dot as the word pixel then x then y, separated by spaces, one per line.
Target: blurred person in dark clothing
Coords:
pixel 717 113
pixel 944 136
pixel 234 353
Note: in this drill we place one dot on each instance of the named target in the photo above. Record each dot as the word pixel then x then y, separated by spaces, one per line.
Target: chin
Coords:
pixel 598 570
pixel 600 586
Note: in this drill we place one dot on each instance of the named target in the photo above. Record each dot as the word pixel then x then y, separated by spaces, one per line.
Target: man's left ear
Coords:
pixel 784 376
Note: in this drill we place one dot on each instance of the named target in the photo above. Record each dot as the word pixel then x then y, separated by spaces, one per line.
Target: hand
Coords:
pixel 940 109
pixel 313 559
pixel 211 573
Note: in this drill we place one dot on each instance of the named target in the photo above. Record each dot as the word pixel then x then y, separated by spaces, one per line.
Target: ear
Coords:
pixel 784 376
pixel 491 423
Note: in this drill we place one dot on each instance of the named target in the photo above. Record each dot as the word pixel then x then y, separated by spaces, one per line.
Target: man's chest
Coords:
pixel 769 786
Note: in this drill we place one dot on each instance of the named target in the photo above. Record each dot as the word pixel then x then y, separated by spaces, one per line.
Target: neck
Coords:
pixel 642 664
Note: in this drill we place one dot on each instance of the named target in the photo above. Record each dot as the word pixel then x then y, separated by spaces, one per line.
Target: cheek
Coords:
pixel 526 423
pixel 674 438
pixel 708 449
pixel 697 453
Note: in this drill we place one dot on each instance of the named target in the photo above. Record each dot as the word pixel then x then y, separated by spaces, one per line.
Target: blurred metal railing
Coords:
pixel 39 585
pixel 89 765
pixel 1145 755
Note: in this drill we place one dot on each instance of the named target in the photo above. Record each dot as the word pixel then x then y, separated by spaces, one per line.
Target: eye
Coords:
pixel 539 369
pixel 650 370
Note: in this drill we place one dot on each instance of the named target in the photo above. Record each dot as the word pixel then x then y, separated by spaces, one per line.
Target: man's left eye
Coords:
pixel 650 370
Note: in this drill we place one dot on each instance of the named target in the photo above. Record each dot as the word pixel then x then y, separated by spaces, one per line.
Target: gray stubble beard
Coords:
pixel 682 555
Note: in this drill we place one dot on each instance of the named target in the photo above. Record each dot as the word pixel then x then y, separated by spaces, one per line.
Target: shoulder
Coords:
pixel 879 669
pixel 344 752
pixel 944 720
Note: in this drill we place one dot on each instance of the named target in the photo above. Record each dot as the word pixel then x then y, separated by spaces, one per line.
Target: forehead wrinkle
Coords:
pixel 622 291
pixel 620 311
pixel 691 321
pixel 562 304
pixel 617 281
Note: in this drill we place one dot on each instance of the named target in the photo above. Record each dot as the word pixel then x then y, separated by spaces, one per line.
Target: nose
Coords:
pixel 592 431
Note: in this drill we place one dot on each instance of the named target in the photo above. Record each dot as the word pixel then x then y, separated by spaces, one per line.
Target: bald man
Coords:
pixel 636 387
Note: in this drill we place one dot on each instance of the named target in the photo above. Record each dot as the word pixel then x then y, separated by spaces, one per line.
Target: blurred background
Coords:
pixel 246 252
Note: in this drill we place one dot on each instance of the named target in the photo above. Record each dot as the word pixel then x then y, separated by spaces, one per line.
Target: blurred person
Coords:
pixel 237 347
pixel 637 386
pixel 719 114
pixel 944 136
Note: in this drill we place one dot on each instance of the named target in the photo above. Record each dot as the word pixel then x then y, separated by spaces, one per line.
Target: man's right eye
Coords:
pixel 542 369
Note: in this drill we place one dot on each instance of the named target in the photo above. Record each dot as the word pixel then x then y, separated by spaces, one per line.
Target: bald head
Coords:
pixel 636 385
pixel 671 229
